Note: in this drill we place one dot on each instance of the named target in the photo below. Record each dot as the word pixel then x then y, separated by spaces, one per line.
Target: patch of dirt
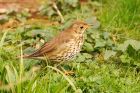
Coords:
pixel 18 5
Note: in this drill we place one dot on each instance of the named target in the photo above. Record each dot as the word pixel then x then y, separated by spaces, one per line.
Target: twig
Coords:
pixel 58 11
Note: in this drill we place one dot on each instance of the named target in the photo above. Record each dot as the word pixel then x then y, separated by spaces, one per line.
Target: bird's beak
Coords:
pixel 90 25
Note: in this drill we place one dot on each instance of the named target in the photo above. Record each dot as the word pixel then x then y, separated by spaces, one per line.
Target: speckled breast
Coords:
pixel 71 50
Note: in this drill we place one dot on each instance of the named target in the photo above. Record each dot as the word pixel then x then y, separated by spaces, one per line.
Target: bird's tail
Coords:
pixel 23 56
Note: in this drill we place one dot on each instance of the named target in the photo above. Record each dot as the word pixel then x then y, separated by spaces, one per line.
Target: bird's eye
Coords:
pixel 81 27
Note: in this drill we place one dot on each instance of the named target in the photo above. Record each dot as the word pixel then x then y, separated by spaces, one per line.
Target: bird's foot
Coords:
pixel 68 72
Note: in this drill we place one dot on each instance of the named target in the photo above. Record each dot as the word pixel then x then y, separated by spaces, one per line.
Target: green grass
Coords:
pixel 92 74
pixel 122 16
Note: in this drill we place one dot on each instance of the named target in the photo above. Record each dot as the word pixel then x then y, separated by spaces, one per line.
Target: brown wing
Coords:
pixel 51 46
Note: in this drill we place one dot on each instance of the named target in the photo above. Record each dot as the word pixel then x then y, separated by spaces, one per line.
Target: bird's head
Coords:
pixel 78 27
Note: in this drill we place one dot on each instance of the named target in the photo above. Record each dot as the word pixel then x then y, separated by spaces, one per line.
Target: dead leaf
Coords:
pixel 12 23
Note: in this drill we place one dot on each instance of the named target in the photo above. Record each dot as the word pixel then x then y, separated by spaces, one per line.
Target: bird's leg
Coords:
pixel 66 72
pixel 60 66
pixel 65 69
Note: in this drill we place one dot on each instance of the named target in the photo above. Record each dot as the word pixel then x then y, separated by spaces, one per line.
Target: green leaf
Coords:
pixel 80 58
pixel 108 54
pixel 109 42
pixel 86 55
pixel 11 77
pixel 125 58
pixel 99 43
pixel 90 40
pixel 135 44
pixel 72 2
pixel 106 35
pixel 95 35
pixel 94 22
pixel 88 47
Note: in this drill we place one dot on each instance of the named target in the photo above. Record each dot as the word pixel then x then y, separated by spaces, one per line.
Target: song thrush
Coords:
pixel 63 47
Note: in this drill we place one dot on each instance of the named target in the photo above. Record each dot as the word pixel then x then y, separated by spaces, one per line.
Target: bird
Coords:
pixel 64 47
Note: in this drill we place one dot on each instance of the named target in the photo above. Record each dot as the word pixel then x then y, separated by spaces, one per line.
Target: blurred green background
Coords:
pixel 108 63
